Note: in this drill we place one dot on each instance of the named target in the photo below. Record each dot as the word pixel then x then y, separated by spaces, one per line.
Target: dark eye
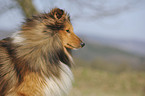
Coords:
pixel 68 31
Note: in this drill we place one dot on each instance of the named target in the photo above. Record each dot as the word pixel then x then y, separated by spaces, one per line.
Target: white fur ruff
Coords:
pixel 17 38
pixel 58 86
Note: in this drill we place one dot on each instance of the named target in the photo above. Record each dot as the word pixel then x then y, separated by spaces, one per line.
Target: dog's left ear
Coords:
pixel 58 13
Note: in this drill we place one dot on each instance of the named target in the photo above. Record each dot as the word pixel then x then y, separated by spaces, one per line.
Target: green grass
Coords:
pixel 91 82
pixel 107 71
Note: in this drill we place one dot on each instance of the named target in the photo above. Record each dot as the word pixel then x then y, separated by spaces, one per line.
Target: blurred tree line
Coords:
pixel 98 11
pixel 27 7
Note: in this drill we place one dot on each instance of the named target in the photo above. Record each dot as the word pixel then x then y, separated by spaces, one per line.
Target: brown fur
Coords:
pixel 23 65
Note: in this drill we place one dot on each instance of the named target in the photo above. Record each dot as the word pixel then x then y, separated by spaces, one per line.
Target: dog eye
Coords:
pixel 68 31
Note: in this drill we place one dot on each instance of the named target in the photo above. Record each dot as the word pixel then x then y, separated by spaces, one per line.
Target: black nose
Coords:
pixel 82 44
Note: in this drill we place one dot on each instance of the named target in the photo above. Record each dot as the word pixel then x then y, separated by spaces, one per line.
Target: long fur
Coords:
pixel 33 61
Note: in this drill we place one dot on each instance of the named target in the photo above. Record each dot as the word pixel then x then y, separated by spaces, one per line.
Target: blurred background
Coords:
pixel 113 61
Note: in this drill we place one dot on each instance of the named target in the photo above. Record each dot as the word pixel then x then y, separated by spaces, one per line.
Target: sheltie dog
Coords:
pixel 36 60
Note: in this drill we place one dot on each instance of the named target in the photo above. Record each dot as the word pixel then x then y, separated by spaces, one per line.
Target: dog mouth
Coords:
pixel 70 45
pixel 81 45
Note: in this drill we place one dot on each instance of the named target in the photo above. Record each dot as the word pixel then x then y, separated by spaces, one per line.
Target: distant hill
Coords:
pixel 103 53
pixel 133 46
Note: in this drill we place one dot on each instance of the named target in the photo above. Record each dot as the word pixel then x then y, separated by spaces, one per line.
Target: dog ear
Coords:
pixel 58 13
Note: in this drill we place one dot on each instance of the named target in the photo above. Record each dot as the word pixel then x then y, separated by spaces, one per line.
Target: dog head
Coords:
pixel 64 28
pixel 56 23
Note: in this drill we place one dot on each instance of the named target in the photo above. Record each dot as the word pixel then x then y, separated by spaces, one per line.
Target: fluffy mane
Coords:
pixel 43 54
pixel 27 53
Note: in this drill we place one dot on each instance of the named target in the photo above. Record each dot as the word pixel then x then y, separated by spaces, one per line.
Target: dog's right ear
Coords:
pixel 58 13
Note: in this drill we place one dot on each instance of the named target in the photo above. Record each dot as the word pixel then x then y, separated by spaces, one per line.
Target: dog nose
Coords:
pixel 82 44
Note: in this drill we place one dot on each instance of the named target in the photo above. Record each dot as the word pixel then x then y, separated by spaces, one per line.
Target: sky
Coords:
pixel 123 19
